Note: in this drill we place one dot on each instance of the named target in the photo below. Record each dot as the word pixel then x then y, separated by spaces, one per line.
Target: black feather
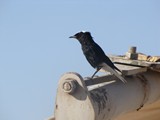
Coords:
pixel 93 52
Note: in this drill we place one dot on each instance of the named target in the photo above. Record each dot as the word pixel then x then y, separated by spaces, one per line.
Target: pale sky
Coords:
pixel 35 49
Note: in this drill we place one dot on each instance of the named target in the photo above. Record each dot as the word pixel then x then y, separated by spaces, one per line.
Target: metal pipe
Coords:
pixel 113 99
pixel 107 100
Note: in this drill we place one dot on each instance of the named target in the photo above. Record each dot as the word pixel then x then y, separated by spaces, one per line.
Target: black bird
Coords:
pixel 95 55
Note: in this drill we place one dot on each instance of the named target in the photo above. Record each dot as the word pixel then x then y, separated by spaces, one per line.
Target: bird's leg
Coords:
pixel 98 68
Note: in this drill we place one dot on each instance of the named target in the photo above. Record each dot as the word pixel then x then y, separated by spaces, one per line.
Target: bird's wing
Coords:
pixel 110 63
pixel 106 67
pixel 102 57
pixel 91 55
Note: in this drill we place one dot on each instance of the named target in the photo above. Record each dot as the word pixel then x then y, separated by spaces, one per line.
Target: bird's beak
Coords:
pixel 72 37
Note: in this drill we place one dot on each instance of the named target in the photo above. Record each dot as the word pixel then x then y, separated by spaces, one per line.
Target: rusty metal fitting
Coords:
pixel 131 54
pixel 132 49
pixel 69 86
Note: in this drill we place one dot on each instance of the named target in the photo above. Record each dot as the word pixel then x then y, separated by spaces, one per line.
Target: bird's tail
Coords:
pixel 112 71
